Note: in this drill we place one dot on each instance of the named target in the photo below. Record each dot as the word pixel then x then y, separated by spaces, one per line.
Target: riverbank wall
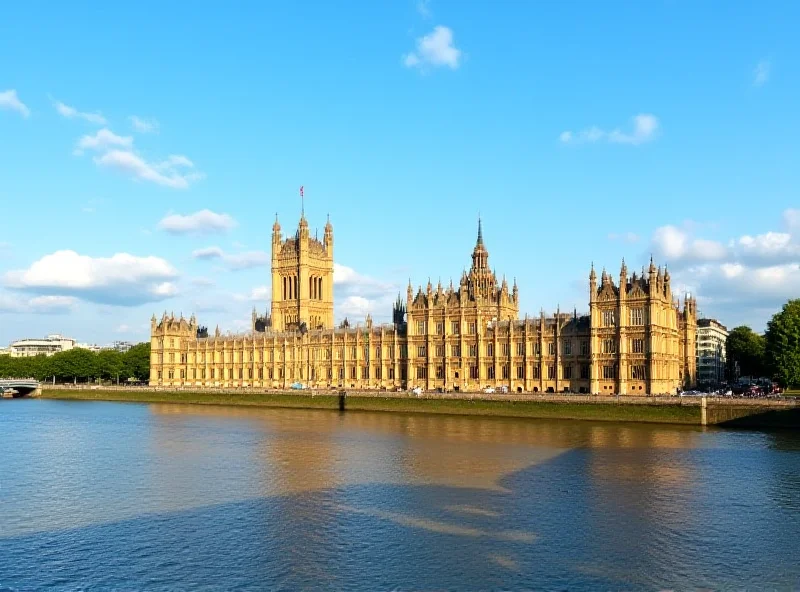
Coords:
pixel 679 410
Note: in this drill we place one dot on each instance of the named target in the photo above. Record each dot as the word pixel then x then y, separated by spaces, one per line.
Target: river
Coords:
pixel 177 497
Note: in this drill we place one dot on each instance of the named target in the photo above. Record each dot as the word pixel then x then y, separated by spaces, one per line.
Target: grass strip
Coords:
pixel 530 409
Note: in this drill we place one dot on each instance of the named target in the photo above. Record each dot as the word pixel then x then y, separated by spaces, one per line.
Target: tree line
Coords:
pixel 775 354
pixel 81 365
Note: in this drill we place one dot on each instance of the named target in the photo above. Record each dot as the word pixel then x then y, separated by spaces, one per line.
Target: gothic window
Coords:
pixel 536 371
pixel 608 318
pixel 472 328
pixel 422 372
pixel 421 351
pixel 455 350
pixel 353 372
pixel 638 372
pixel 473 350
pixel 566 369
pixel 537 348
pixel 637 316
pixel 439 328
pixel 637 346
pixel 568 347
pixel 365 372
pixel 551 348
pixel 585 371
pixel 521 349
pixel 610 372
pixel 505 349
pixel 391 373
pixel 455 328
pixel 505 371
pixel 551 372
pixel 490 372
pixel 473 372
pixel 366 352
pixel 378 351
pixel 609 346
pixel 421 327
pixel 353 352
pixel 584 348
pixel 182 373
pixel 490 349
pixel 440 351
pixel 440 372
pixel 520 372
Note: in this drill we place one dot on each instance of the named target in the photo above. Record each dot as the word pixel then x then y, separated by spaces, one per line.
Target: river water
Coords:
pixel 174 497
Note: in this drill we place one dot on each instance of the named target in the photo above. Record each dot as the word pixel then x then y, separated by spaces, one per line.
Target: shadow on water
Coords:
pixel 581 521
pixel 387 501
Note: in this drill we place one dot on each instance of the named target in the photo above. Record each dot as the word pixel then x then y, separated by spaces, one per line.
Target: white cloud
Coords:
pixel 9 100
pixel 247 260
pixel 73 113
pixel 169 173
pixel 203 221
pixel 233 261
pixel 424 9
pixel 144 125
pixel 208 253
pixel 257 294
pixel 355 295
pixel 757 272
pixel 628 237
pixel 102 140
pixel 123 328
pixel 121 279
pixel 761 73
pixel 14 303
pixel 645 129
pixel 675 244
pixel 791 218
pixel 435 49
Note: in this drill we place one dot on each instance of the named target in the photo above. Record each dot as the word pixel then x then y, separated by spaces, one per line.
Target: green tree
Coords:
pixel 137 361
pixel 745 348
pixel 111 365
pixel 783 344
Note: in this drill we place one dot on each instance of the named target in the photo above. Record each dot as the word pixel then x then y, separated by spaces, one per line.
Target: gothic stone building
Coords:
pixel 636 339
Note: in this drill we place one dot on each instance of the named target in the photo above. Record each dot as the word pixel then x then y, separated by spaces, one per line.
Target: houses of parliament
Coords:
pixel 637 338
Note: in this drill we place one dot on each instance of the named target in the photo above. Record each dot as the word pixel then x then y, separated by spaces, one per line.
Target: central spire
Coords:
pixel 480 256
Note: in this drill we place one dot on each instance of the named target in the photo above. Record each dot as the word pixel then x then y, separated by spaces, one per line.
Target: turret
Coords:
pixel 328 238
pixel 592 284
pixel 276 231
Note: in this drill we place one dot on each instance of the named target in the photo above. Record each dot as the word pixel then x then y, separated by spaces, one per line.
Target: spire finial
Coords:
pixel 480 230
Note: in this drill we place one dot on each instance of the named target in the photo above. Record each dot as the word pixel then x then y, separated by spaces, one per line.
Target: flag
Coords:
pixel 301 191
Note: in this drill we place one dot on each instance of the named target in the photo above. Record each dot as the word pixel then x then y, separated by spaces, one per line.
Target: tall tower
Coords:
pixel 302 278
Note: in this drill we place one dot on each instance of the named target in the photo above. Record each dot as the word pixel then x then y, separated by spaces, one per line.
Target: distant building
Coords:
pixel 92 347
pixel 52 344
pixel 711 337
pixel 5 351
pixel 120 346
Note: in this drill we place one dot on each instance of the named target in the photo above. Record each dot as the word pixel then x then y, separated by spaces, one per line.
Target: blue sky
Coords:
pixel 580 131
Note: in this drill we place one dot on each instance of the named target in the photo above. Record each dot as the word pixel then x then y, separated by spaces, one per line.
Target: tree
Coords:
pixel 137 361
pixel 745 348
pixel 783 344
pixel 111 365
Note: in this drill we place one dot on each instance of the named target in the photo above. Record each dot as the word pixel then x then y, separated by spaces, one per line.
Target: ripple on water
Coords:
pixel 170 497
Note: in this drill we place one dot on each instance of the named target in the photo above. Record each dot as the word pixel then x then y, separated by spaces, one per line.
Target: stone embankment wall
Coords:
pixel 722 403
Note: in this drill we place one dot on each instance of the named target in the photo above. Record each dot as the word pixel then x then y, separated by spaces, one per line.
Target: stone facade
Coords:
pixel 636 338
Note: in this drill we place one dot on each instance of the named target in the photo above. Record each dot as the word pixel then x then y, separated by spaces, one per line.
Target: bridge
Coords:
pixel 23 387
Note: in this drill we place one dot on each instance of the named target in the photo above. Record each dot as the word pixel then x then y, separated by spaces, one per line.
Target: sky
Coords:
pixel 147 147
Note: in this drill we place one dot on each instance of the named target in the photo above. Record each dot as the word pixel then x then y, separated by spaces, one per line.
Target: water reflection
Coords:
pixel 172 496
